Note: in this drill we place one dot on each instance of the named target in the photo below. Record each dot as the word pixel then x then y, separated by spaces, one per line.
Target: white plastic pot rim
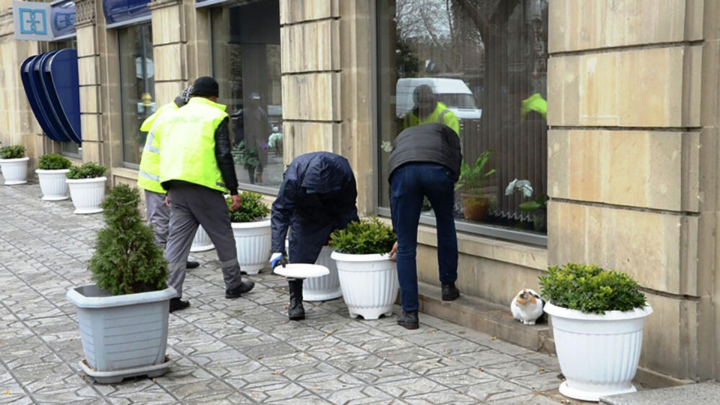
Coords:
pixel 22 159
pixel 76 297
pixel 360 258
pixel 58 171
pixel 93 180
pixel 251 225
pixel 566 313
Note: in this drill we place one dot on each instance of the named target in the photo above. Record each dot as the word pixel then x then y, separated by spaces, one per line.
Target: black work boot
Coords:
pixel 450 292
pixel 409 320
pixel 192 265
pixel 176 304
pixel 296 312
pixel 244 287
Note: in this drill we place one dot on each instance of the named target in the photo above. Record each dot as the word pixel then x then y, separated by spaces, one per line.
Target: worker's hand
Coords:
pixel 278 259
pixel 236 202
pixel 167 201
pixel 393 252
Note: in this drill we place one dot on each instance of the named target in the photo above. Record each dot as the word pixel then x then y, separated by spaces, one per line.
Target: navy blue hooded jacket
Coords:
pixel 317 196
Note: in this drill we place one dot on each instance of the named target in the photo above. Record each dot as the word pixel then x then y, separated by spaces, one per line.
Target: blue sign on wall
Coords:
pixel 118 12
pixel 31 21
pixel 62 19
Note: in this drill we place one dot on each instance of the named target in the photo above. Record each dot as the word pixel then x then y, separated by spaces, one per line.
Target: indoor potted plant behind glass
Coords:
pixel 87 187
pixel 471 179
pixel 124 316
pixel 368 277
pixel 252 231
pixel 536 207
pixel 247 158
pixel 14 164
pixel 597 318
pixel 51 173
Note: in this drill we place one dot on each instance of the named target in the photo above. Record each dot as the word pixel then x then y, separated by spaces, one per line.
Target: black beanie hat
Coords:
pixel 206 86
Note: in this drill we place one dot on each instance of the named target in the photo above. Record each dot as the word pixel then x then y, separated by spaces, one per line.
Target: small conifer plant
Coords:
pixel 126 259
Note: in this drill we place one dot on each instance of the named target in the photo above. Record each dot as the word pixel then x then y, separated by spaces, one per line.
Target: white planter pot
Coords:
pixel 87 194
pixel 253 241
pixel 369 284
pixel 14 170
pixel 53 184
pixel 322 288
pixel 122 336
pixel 202 241
pixel 598 354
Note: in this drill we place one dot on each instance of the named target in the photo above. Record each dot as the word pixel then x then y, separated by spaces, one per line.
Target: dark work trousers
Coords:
pixel 409 184
pixel 192 205
pixel 158 216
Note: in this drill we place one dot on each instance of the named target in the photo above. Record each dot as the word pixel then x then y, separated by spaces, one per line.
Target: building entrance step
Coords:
pixel 692 394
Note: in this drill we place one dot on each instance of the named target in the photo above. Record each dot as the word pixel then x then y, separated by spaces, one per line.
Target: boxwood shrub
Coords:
pixel 12 152
pixel 590 289
pixel 369 236
pixel 89 170
pixel 252 208
pixel 54 161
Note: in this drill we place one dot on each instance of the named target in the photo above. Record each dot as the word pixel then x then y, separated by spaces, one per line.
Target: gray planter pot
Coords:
pixel 123 336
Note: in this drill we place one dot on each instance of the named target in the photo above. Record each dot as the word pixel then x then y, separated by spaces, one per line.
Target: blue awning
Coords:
pixel 120 13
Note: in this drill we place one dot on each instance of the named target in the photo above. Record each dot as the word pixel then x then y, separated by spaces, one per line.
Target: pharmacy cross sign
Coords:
pixel 31 21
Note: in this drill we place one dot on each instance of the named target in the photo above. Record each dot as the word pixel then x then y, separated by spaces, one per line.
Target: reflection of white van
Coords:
pixel 454 93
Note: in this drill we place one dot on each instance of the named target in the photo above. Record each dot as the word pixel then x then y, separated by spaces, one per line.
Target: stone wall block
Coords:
pixel 86 41
pixel 311 97
pixel 294 11
pixel 169 62
pixel 88 71
pixel 305 137
pixel 90 125
pixel 310 47
pixel 166 25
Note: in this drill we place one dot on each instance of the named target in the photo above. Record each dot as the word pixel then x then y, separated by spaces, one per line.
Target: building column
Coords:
pixel 632 162
pixel 169 50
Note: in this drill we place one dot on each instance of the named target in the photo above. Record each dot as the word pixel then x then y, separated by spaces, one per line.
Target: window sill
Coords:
pixel 124 173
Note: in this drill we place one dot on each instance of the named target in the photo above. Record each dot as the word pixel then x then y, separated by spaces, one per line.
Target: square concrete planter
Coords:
pixel 122 335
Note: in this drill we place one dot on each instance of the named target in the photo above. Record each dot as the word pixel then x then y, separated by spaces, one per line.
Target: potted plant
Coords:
pixel 51 173
pixel 14 164
pixel 124 316
pixel 368 277
pixel 247 158
pixel 87 187
pixel 326 287
pixel 597 318
pixel 471 179
pixel 536 207
pixel 253 235
pixel 201 242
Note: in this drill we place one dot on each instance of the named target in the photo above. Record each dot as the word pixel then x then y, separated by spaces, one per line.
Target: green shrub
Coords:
pixel 54 162
pixel 251 209
pixel 590 289
pixel 12 152
pixel 89 170
pixel 369 236
pixel 126 259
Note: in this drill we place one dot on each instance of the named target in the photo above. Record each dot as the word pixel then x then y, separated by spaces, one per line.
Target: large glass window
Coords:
pixel 137 87
pixel 246 64
pixel 70 149
pixel 480 67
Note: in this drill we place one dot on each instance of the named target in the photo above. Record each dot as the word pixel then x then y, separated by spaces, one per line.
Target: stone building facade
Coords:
pixel 632 155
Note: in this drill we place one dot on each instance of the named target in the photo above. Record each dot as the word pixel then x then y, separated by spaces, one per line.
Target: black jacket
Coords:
pixel 313 215
pixel 224 158
pixel 428 143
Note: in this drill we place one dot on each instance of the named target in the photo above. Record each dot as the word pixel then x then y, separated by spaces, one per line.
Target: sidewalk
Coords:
pixel 235 351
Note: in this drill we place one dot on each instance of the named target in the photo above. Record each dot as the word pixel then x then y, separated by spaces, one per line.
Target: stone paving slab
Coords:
pixel 692 394
pixel 242 351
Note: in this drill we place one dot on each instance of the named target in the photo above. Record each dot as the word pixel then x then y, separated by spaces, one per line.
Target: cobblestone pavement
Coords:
pixel 234 351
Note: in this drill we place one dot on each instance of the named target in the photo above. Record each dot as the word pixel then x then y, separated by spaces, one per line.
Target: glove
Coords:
pixel 278 259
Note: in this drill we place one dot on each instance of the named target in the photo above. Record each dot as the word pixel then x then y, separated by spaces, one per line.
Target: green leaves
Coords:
pixel 473 176
pixel 251 209
pixel 248 158
pixel 369 236
pixel 590 289
pixel 539 203
pixel 88 170
pixel 126 259
pixel 12 152
pixel 53 162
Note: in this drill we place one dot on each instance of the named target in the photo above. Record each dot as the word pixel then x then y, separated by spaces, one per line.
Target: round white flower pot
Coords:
pixel 369 284
pixel 598 354
pixel 326 287
pixel 14 170
pixel 253 241
pixel 87 194
pixel 53 184
pixel 202 241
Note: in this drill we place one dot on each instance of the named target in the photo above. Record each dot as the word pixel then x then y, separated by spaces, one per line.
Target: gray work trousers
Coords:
pixel 192 205
pixel 158 216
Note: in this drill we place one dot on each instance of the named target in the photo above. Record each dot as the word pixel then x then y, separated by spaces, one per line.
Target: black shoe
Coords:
pixel 192 265
pixel 450 292
pixel 176 304
pixel 409 320
pixel 296 312
pixel 244 287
